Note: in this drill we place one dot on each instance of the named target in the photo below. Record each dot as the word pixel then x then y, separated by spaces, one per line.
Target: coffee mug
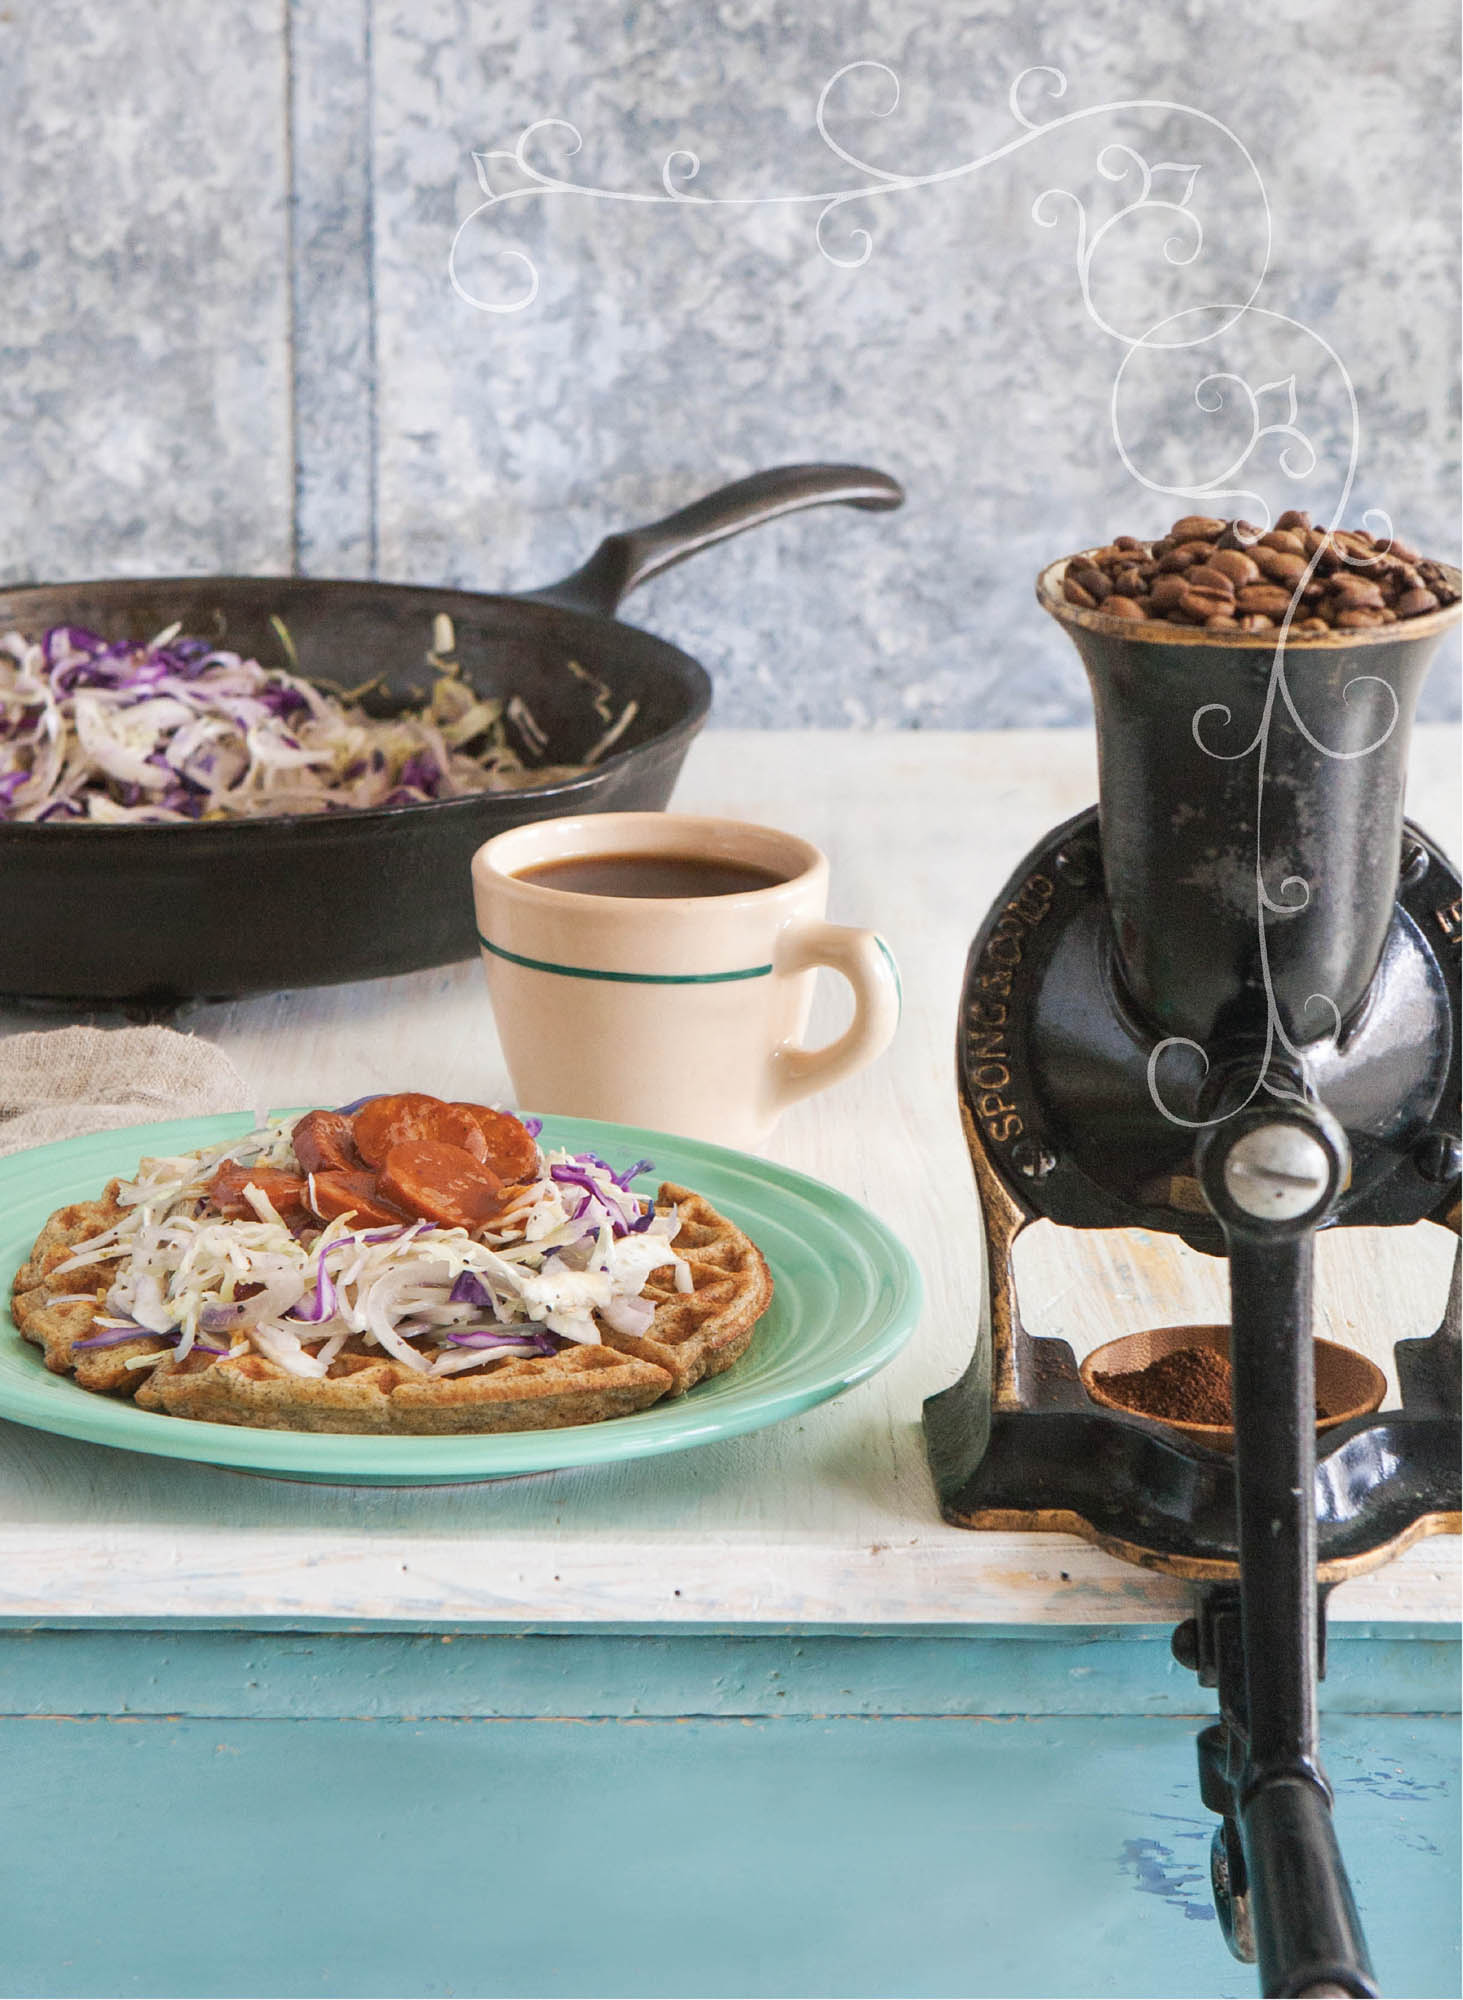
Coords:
pixel 658 969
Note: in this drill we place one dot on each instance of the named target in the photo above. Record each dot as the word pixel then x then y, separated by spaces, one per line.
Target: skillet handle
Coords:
pixel 621 562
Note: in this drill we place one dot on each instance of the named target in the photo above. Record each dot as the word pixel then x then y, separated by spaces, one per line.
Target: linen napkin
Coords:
pixel 59 1082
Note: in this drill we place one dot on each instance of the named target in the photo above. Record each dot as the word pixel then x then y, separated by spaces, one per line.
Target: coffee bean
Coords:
pixel 1206 604
pixel 1209 576
pixel 1225 576
pixel 1330 554
pixel 1266 597
pixel 1415 602
pixel 1236 565
pixel 1280 566
pixel 1239 535
pixel 1355 593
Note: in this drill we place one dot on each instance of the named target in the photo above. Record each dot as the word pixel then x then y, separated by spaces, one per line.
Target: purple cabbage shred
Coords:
pixel 469 1290
pixel 115 1337
pixel 539 1343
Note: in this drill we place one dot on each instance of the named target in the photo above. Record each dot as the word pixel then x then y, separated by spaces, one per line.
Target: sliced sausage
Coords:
pixel 442 1183
pixel 511 1150
pixel 226 1190
pixel 337 1192
pixel 385 1122
pixel 324 1143
pixel 455 1125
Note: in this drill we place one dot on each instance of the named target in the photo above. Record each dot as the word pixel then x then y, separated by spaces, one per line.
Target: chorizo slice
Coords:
pixel 455 1125
pixel 384 1122
pixel 324 1143
pixel 341 1192
pixel 226 1190
pixel 512 1151
pixel 441 1183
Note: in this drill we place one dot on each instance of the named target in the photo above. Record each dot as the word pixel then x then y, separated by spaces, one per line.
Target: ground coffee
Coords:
pixel 1191 1385
pixel 1229 576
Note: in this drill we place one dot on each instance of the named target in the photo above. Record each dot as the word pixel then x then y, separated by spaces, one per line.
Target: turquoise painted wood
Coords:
pixel 1012 1813
pixel 1009 1670
pixel 845 1856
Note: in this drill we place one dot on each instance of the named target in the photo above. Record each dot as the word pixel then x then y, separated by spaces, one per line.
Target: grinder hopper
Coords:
pixel 1225 1005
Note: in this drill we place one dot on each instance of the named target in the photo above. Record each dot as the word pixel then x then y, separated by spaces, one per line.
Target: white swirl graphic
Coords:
pixel 1269 413
pixel 1297 460
pixel 681 166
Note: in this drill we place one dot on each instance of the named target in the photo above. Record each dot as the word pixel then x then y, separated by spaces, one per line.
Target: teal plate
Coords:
pixel 846 1298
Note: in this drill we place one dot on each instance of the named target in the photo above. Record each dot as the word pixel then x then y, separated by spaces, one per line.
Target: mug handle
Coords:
pixel 867 963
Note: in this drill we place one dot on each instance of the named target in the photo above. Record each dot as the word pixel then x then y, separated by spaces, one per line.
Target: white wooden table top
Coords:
pixel 829 1519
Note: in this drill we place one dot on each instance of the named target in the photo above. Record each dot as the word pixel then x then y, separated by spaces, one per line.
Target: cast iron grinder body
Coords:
pixel 1224 1005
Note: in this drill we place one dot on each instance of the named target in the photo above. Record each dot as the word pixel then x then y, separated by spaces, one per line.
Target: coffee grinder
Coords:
pixel 1224 1004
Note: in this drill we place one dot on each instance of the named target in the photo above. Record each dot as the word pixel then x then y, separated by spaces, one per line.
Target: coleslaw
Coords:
pixel 570 1255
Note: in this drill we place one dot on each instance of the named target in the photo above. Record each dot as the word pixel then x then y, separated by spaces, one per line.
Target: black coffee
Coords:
pixel 649 875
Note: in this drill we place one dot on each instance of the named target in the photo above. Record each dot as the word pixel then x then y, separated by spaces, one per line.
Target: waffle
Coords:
pixel 55 1327
pixel 693 1335
pixel 699 1333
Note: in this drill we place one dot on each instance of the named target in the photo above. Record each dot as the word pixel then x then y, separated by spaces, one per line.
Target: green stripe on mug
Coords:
pixel 624 978
pixel 893 965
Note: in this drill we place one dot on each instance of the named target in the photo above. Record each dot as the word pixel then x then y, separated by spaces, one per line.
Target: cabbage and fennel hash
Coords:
pixel 180 729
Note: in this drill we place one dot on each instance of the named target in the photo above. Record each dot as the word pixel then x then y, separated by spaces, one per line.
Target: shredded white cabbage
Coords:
pixel 179 729
pixel 569 1254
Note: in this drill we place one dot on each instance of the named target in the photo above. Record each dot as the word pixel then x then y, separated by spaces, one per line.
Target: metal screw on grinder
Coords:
pixel 1033 1158
pixel 1080 863
pixel 1277 1172
pixel 1415 861
pixel 1185 1644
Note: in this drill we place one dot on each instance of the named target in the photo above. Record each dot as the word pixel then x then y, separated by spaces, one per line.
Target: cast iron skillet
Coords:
pixel 156 914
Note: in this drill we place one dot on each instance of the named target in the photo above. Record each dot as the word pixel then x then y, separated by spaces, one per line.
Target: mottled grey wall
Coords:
pixel 230 340
pixel 144 288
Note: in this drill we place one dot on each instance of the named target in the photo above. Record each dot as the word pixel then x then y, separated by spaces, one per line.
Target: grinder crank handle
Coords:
pixel 1272 1174
pixel 623 561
